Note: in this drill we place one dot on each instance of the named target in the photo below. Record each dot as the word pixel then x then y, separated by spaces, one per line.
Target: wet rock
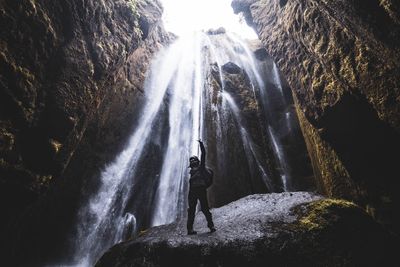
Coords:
pixel 261 54
pixel 235 175
pixel 220 30
pixel 341 60
pixel 287 229
pixel 71 80
pixel 231 68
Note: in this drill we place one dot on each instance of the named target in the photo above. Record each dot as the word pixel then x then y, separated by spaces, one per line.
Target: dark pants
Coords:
pixel 200 194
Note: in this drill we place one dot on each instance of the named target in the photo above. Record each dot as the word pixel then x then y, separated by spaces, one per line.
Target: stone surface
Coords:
pixel 220 30
pixel 235 177
pixel 237 180
pixel 286 229
pixel 341 58
pixel 71 80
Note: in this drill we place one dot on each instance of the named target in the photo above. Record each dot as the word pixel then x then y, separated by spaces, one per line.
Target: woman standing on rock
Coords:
pixel 200 179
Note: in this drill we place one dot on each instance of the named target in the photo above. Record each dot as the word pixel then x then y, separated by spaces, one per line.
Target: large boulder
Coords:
pixel 341 59
pixel 286 229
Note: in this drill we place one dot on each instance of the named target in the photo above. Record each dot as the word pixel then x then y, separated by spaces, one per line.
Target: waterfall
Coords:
pixel 276 78
pixel 251 154
pixel 176 78
pixel 287 129
pixel 185 117
pixel 146 185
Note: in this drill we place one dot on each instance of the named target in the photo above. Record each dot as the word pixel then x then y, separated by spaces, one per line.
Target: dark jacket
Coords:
pixel 197 175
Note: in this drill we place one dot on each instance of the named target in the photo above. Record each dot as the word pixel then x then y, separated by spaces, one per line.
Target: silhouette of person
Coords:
pixel 198 190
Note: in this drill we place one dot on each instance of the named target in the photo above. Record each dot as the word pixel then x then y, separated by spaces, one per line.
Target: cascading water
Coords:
pixel 102 220
pixel 146 184
pixel 251 154
pixel 270 101
pixel 277 79
pixel 185 115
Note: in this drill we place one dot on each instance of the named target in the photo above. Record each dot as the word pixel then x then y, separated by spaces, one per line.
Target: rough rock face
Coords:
pixel 283 117
pixel 234 181
pixel 235 175
pixel 287 229
pixel 341 58
pixel 71 73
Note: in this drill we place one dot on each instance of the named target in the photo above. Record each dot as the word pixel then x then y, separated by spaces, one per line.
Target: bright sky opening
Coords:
pixel 185 16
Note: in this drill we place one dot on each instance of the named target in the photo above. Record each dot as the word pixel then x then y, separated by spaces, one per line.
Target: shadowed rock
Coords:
pixel 71 82
pixel 231 68
pixel 287 229
pixel 341 58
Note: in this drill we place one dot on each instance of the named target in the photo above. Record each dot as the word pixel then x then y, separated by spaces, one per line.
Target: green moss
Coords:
pixel 133 5
pixel 143 232
pixel 7 140
pixel 318 213
pixel 390 9
pixel 330 173
pixel 24 73
pixel 55 146
pixel 41 183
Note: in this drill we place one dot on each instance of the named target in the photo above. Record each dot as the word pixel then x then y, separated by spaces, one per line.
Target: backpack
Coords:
pixel 209 177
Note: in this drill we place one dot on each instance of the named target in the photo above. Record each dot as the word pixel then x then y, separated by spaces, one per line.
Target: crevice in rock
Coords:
pixel 282 3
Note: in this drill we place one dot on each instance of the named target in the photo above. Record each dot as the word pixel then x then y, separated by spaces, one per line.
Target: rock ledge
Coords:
pixel 290 229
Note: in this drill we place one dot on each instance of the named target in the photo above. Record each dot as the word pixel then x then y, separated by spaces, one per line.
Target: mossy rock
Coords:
pixel 287 229
pixel 321 214
pixel 335 232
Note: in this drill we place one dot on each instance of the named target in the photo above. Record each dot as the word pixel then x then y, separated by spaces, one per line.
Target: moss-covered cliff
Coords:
pixel 71 74
pixel 341 58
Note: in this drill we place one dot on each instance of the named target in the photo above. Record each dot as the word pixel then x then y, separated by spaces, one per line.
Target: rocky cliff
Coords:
pixel 287 229
pixel 238 178
pixel 71 74
pixel 258 125
pixel 341 58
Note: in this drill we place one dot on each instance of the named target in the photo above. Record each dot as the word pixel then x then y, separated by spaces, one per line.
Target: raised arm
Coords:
pixel 203 155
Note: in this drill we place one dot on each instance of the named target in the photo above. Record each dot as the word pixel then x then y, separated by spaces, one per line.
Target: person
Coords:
pixel 198 190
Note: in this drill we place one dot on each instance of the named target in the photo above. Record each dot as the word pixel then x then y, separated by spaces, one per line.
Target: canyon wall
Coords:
pixel 71 77
pixel 342 61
